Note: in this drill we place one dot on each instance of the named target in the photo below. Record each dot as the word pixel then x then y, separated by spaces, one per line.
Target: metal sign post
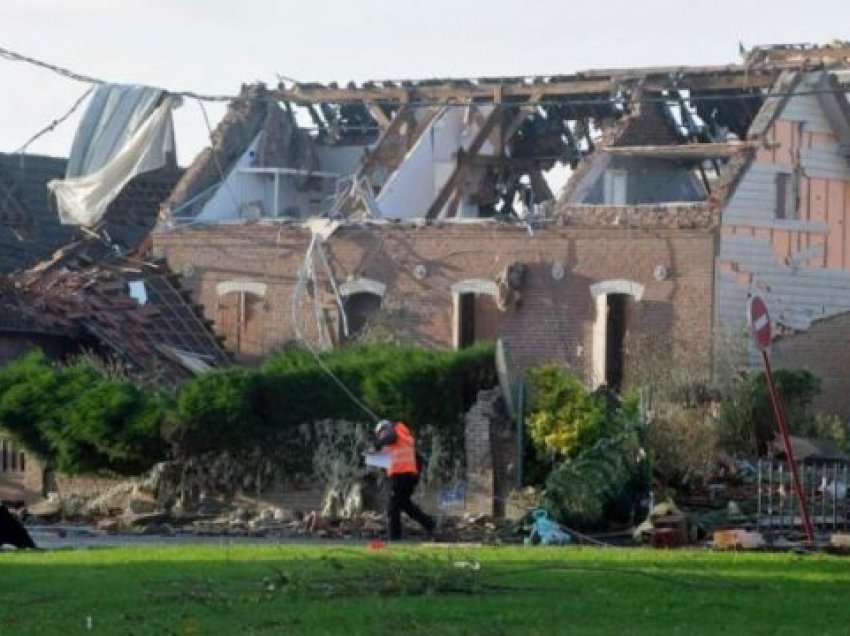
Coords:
pixel 759 322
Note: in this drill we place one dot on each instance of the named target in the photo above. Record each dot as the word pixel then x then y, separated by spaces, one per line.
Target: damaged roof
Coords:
pixel 133 310
pixel 65 281
pixel 30 230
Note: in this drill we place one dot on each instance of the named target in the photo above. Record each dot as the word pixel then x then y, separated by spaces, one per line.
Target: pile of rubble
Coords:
pixel 366 525
pixel 165 502
pixel 140 514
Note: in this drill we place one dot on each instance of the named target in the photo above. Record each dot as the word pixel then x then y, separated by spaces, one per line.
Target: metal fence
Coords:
pixel 824 484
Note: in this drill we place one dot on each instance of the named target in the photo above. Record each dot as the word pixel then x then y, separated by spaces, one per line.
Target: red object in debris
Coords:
pixel 666 538
pixel 377 545
pixel 759 322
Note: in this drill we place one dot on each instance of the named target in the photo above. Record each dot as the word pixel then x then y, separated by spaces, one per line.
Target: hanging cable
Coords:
pixel 304 272
pixel 14 56
pixel 224 182
pixel 52 125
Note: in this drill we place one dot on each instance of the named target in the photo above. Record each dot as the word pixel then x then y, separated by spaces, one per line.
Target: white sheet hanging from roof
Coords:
pixel 83 200
pixel 114 113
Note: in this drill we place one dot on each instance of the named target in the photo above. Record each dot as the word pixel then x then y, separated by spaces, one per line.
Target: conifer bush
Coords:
pixel 80 418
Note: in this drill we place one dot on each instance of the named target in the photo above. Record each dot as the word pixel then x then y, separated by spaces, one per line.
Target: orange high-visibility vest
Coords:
pixel 402 452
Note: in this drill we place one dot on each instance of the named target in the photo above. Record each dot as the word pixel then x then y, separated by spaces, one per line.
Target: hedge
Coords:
pixel 78 418
pixel 429 389
pixel 81 419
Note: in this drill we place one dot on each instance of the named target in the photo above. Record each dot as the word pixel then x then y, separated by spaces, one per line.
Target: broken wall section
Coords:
pixel 784 228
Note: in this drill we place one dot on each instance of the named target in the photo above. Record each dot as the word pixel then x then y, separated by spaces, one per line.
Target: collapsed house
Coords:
pixel 94 292
pixel 72 285
pixel 426 212
pixel 689 188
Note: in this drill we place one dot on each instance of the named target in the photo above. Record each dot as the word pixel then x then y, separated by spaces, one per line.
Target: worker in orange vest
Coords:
pixel 403 471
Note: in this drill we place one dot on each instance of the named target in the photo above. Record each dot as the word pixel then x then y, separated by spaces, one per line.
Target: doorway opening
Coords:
pixel 617 309
pixel 476 319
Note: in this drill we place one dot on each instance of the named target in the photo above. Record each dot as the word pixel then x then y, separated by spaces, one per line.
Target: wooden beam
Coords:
pixel 389 132
pixel 456 177
pixel 523 114
pixel 378 115
pixel 681 151
pixel 587 85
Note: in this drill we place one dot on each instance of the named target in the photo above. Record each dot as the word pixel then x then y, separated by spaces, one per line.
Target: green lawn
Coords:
pixel 320 590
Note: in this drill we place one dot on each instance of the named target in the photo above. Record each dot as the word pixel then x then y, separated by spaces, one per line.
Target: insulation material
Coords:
pixel 114 114
pixel 83 200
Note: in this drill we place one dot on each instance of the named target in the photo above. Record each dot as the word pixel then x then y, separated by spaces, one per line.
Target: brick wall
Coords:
pixel 554 321
pixel 823 351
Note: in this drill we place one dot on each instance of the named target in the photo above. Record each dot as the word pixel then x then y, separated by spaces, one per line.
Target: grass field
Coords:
pixel 402 591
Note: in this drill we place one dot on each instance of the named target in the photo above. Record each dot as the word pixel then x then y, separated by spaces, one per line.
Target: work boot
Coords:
pixel 431 530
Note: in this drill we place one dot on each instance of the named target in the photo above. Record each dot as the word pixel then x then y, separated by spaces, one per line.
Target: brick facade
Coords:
pixel 553 322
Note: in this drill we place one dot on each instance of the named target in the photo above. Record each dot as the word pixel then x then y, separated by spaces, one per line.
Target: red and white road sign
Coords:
pixel 759 321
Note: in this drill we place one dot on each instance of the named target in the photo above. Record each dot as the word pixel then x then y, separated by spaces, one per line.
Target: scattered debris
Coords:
pixel 738 539
pixel 666 527
pixel 546 531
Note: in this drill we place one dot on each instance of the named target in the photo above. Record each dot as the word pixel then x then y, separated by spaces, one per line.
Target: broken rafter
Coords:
pixel 519 119
pixel 696 152
pixel 388 136
pixel 589 84
pixel 453 183
pixel 378 114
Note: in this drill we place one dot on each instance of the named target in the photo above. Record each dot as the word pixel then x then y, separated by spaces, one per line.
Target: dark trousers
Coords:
pixel 402 489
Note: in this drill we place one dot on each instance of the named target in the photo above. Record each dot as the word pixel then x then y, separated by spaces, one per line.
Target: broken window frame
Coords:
pixel 787 197
pixel 355 329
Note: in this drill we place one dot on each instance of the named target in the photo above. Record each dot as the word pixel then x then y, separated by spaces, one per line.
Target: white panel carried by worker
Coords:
pixel 403 469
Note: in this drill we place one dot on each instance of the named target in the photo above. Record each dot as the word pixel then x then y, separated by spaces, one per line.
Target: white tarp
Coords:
pixel 114 113
pixel 83 199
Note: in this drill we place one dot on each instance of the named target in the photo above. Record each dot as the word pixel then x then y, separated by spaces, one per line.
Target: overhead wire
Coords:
pixel 306 270
pixel 53 124
pixel 216 161
pixel 14 56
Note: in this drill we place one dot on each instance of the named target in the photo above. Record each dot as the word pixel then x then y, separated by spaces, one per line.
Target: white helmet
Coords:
pixel 382 426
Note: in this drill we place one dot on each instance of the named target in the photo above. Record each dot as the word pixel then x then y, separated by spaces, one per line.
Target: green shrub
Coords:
pixel 215 411
pixel 824 426
pixel 80 420
pixel 564 418
pixel 602 482
pixel 429 389
pixel 747 423
pixel 682 441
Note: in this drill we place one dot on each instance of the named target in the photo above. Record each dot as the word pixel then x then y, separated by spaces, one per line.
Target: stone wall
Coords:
pixel 20 473
pixel 490 439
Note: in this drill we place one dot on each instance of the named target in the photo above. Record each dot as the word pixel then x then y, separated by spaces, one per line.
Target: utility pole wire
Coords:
pixel 52 125
pixel 13 56
pixel 556 100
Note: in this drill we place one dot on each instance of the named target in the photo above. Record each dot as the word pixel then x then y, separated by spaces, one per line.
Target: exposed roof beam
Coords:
pixel 590 85
pixel 682 151
pixel 453 183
